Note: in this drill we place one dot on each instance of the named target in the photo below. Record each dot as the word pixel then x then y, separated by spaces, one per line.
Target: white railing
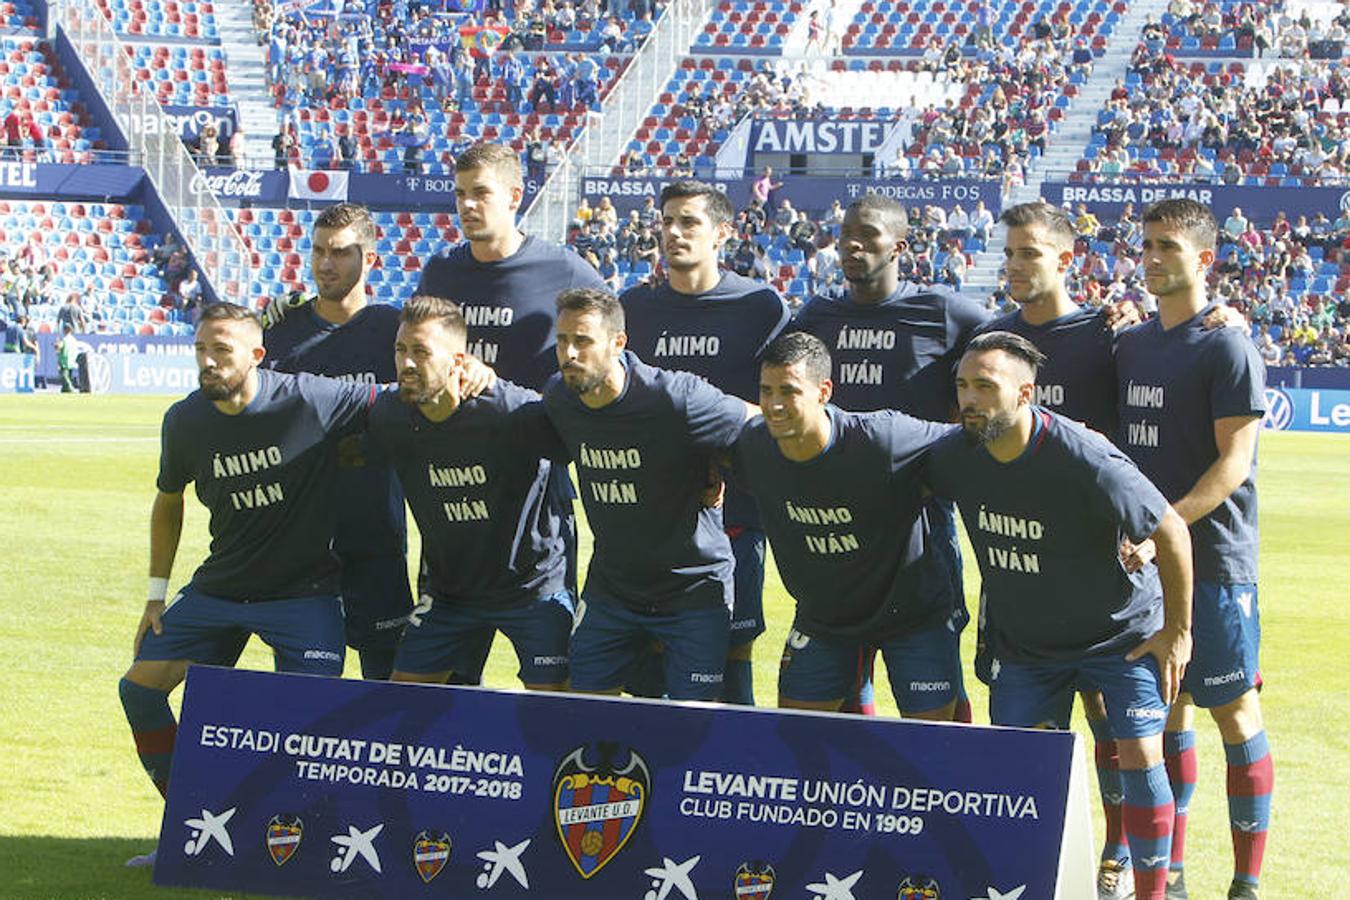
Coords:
pixel 215 244
pixel 627 103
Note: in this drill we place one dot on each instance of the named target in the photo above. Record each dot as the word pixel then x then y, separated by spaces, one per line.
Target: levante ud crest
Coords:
pixel 599 794
pixel 283 837
pixel 919 887
pixel 754 880
pixel 431 851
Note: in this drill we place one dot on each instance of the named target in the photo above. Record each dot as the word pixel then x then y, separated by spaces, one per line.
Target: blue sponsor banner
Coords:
pixel 235 187
pixel 301 785
pixel 188 121
pixel 151 344
pixel 130 373
pixel 823 136
pixel 1304 409
pixel 17 373
pixel 101 182
pixel 1315 377
pixel 1259 204
pixel 813 193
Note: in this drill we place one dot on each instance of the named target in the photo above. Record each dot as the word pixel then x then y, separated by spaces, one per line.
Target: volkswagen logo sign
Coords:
pixel 100 373
pixel 1279 410
pixel 1345 202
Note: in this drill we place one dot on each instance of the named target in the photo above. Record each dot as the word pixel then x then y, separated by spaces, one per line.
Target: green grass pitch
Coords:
pixel 76 480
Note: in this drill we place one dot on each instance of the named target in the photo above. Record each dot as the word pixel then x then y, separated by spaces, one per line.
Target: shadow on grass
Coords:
pixel 38 867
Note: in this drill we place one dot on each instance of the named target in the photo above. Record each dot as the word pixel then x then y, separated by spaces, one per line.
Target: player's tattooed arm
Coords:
pixel 1171 645
pixel 166 528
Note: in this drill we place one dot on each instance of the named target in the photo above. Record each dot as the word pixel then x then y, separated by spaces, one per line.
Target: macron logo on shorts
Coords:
pixel 705 677
pixel 1135 712
pixel 929 686
pixel 1216 680
pixel 322 654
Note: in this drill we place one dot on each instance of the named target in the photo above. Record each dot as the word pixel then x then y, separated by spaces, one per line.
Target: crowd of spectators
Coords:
pixel 780 244
pixel 435 57
pixel 1180 120
pixel 1271 275
pixel 1255 28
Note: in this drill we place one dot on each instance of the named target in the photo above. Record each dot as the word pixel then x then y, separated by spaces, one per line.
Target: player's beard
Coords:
pixel 422 391
pixel 582 381
pixel 220 388
pixel 991 429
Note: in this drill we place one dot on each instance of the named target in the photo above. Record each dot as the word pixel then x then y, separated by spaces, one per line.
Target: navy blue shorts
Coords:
pixel 1226 629
pixel 747 616
pixel 450 637
pixel 377 599
pixel 608 637
pixel 924 668
pixel 305 633
pixel 1040 695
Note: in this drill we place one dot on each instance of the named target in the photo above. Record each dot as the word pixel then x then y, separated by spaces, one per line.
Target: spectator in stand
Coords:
pixel 647 248
pixel 72 315
pixel 764 186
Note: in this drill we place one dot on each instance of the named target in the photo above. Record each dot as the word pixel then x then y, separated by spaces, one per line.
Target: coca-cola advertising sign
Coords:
pixel 233 186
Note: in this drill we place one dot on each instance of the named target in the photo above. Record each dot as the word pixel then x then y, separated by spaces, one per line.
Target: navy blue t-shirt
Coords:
pixel 642 464
pixel 476 483
pixel 370 518
pixel 1047 529
pixel 719 336
pixel 1078 379
pixel 900 353
pixel 266 475
pixel 844 526
pixel 509 304
pixel 1174 384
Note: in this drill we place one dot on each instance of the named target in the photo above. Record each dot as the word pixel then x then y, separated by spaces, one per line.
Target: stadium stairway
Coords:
pixel 1071 138
pixel 248 78
pixel 844 12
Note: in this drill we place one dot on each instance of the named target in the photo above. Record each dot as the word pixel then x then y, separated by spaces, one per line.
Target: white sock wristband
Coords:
pixel 158 590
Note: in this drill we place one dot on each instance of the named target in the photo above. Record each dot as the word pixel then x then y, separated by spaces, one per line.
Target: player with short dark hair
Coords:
pixel 714 324
pixel 1077 380
pixel 342 335
pixel 895 345
pixel 260 448
pixel 475 471
pixel 1191 403
pixel 642 439
pixel 1046 505
pixel 839 495
pixel 506 284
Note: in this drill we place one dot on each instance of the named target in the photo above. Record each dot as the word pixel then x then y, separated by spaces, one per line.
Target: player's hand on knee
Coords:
pixel 1172 650
pixel 150 619
pixel 1135 556
pixel 475 376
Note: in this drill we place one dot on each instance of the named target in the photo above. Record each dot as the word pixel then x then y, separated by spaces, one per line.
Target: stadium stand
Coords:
pixel 168 19
pixel 43 117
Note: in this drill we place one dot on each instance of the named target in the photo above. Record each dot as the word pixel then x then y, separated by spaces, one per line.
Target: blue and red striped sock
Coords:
pixel 1108 785
pixel 862 701
pixel 1251 778
pixel 1147 812
pixel 1179 755
pixel 153 727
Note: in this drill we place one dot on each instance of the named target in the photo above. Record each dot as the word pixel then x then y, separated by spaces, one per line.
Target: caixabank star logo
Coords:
pixel 600 792
pixel 283 837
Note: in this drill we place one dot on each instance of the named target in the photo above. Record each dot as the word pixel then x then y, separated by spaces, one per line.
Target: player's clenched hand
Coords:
pixel 1122 315
pixel 1135 556
pixel 475 376
pixel 716 491
pixel 1172 649
pixel 277 307
pixel 154 610
pixel 1223 316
